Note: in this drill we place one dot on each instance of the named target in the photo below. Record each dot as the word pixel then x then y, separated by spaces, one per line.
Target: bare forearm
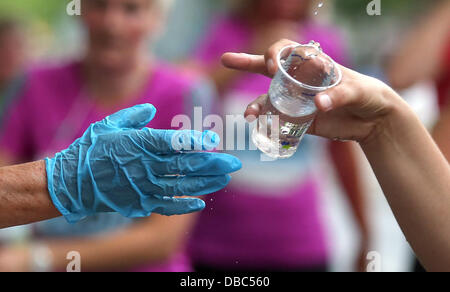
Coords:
pixel 24 196
pixel 416 181
pixel 419 57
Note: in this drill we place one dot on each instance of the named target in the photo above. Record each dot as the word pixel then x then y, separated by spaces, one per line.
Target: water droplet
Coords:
pixel 318 6
pixel 237 262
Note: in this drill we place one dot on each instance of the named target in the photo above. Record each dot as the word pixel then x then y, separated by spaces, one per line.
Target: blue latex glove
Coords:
pixel 119 166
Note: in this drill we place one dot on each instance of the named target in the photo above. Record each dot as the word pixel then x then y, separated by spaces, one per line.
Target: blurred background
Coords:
pixel 371 42
pixel 52 32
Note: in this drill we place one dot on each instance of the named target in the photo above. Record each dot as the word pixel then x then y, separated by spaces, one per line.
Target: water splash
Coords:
pixel 320 5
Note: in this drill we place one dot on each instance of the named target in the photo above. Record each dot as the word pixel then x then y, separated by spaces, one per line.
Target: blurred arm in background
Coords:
pixel 343 155
pixel 12 59
pixel 11 51
pixel 152 240
pixel 419 58
pixel 441 132
pixel 422 57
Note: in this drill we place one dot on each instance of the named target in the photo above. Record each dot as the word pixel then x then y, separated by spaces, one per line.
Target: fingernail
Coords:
pixel 250 118
pixel 325 102
pixel 251 112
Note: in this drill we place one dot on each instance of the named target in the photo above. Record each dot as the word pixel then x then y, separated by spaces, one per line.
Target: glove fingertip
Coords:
pixel 189 205
pixel 235 163
pixel 196 205
pixel 227 180
pixel 135 117
pixel 151 110
pixel 181 206
pixel 222 181
pixel 145 114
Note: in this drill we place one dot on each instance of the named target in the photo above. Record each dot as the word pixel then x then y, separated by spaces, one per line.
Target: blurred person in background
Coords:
pixel 12 59
pixel 424 55
pixel 58 103
pixel 269 218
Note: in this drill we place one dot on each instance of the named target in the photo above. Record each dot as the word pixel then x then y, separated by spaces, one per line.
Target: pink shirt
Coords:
pixel 268 217
pixel 52 111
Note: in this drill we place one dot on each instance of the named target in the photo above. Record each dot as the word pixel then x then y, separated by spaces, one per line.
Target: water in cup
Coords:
pixel 304 71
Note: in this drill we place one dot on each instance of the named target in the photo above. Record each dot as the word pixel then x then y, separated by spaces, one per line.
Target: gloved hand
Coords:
pixel 119 166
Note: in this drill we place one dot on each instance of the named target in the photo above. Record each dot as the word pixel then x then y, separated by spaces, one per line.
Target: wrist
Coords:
pixel 397 121
pixel 60 191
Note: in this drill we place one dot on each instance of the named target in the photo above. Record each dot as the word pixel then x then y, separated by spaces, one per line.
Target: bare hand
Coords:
pixel 353 110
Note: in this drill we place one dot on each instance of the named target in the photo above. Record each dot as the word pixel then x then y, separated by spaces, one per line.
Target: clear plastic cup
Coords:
pixel 304 71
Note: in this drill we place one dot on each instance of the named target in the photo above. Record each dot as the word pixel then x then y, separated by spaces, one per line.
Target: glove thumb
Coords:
pixel 136 117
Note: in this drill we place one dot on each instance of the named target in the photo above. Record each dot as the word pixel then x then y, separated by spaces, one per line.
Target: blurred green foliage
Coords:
pixel 30 10
pixel 357 8
pixel 51 9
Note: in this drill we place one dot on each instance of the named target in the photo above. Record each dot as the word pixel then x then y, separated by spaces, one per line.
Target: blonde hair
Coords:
pixel 164 5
